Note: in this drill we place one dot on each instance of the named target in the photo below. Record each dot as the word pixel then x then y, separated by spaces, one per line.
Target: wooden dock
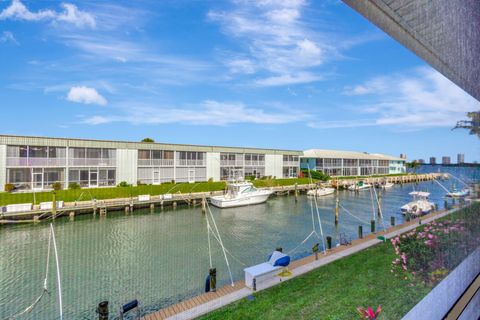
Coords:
pixel 343 183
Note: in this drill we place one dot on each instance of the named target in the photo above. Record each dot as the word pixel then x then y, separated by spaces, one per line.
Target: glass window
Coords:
pixel 143 154
pixel 261 157
pixel 156 154
pixel 19 175
pixel 84 175
pixel 79 153
pixel 37 152
pixel 200 155
pixel 94 153
pixel 248 157
pixel 111 174
pixel 73 175
pixel 168 155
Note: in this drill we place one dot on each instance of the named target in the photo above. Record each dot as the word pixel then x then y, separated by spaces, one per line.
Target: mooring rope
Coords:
pixel 45 288
pixel 59 282
pixel 458 179
pixel 352 214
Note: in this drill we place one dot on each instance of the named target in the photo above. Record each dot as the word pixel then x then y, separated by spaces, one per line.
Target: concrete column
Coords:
pixel 127 164
pixel 3 166
pixel 213 165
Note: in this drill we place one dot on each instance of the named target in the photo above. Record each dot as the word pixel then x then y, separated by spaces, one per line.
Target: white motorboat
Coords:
pixel 320 192
pixel 360 185
pixel 459 193
pixel 387 185
pixel 240 194
pixel 420 204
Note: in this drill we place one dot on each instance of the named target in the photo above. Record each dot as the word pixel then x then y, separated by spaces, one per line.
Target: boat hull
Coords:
pixel 321 192
pixel 223 202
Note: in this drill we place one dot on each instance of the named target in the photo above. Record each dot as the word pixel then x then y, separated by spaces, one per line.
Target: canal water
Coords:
pixel 162 257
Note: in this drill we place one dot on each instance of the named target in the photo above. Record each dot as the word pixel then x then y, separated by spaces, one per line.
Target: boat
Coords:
pixel 387 185
pixel 320 192
pixel 240 194
pixel 458 193
pixel 360 185
pixel 420 204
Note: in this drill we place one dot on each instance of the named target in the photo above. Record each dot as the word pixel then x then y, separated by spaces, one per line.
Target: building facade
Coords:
pixel 433 160
pixel 35 163
pixel 349 163
pixel 445 160
pixel 460 158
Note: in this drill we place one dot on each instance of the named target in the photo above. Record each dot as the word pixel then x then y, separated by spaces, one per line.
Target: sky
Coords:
pixel 293 74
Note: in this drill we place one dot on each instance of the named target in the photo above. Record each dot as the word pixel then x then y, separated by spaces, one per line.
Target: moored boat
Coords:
pixel 320 192
pixel 360 185
pixel 420 204
pixel 240 194
pixel 458 193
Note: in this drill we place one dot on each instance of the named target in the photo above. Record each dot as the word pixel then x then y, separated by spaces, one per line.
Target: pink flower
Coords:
pixel 430 236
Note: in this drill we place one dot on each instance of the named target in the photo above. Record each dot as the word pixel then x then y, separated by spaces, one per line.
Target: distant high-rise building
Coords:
pixel 421 161
pixel 433 160
pixel 445 160
pixel 403 156
pixel 460 158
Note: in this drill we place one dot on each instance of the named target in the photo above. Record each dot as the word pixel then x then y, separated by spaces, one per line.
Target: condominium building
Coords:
pixel 433 160
pixel 460 158
pixel 37 162
pixel 445 160
pixel 349 163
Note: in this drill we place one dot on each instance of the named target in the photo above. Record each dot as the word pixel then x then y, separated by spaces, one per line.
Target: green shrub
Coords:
pixel 173 181
pixel 124 184
pixel 317 175
pixel 73 186
pixel 9 187
pixel 210 180
pixel 57 186
pixel 250 178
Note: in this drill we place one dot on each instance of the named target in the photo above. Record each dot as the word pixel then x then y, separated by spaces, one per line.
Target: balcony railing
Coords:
pixel 156 162
pixel 184 162
pixel 291 163
pixel 92 162
pixel 257 163
pixel 36 162
pixel 231 163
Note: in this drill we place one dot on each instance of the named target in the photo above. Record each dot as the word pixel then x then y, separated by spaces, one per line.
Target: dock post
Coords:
pixel 194 202
pixel 94 207
pixel 392 221
pixel 54 204
pixel 204 205
pixel 161 205
pixel 174 204
pixel 329 242
pixel 152 207
pixel 445 204
pixel 127 209
pixel 213 279
pixel 36 219
pixel 315 250
pixel 379 204
pixel 296 192
pixel 372 226
pixel 336 209
pixel 131 204
pixel 360 232
pixel 71 215
pixel 102 310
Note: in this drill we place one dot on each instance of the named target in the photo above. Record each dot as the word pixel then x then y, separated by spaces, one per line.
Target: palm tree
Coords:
pixel 413 165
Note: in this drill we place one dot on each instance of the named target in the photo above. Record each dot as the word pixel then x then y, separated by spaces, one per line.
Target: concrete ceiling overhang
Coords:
pixel 444 33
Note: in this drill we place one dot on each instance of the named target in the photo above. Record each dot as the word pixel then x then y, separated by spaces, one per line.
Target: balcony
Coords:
pixel 231 163
pixel 92 162
pixel 255 163
pixel 291 163
pixel 36 162
pixel 190 163
pixel 156 162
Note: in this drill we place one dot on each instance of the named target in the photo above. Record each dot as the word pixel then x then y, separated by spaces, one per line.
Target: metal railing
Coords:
pixel 92 162
pixel 291 164
pixel 36 162
pixel 156 162
pixel 254 163
pixel 184 162
pixel 231 163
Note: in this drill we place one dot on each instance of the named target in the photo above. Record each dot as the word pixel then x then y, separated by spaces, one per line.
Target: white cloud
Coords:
pixel 74 16
pixel 419 99
pixel 86 95
pixel 276 40
pixel 71 14
pixel 7 36
pixel 209 112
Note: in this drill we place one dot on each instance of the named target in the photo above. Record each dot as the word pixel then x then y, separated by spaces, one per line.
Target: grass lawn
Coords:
pixel 125 192
pixel 334 291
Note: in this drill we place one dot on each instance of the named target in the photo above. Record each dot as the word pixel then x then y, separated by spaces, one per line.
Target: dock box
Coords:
pixel 260 272
pixel 20 207
pixel 49 205
pixel 144 197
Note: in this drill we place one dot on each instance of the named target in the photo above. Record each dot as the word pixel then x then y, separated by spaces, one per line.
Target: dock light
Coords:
pixel 102 310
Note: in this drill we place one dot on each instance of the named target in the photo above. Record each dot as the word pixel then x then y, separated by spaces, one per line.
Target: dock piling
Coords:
pixel 392 221
pixel 372 226
pixel 360 232
pixel 296 192
pixel 337 202
pixel 71 215
pixel 329 242
pixel 204 206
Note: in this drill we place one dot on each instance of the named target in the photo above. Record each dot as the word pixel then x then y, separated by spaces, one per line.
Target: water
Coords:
pixel 161 258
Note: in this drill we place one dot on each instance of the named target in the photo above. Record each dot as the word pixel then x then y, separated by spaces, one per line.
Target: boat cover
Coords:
pixel 279 259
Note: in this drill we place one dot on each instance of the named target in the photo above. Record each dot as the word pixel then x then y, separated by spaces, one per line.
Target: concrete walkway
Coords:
pixel 207 302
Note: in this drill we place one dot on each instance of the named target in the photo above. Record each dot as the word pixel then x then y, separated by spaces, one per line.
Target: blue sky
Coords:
pixel 287 74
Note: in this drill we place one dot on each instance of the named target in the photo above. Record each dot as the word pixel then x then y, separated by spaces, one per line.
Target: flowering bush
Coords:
pixel 369 313
pixel 431 251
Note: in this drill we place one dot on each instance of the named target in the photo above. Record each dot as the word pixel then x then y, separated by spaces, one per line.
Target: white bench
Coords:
pixel 49 205
pixel 144 197
pixel 260 272
pixel 21 207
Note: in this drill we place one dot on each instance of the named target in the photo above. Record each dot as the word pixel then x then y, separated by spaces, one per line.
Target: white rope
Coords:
pixel 318 216
pixel 59 283
pixel 45 290
pixel 221 243
pixel 209 245
pixel 446 190
pixel 373 205
pixel 458 179
pixel 380 209
pixel 229 253
pixel 303 242
pixel 353 214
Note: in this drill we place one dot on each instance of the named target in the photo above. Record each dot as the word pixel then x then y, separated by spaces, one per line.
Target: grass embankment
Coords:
pixel 334 291
pixel 125 192
pixel 367 278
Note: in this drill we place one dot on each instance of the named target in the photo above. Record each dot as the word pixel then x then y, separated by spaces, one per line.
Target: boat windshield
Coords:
pixel 249 189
